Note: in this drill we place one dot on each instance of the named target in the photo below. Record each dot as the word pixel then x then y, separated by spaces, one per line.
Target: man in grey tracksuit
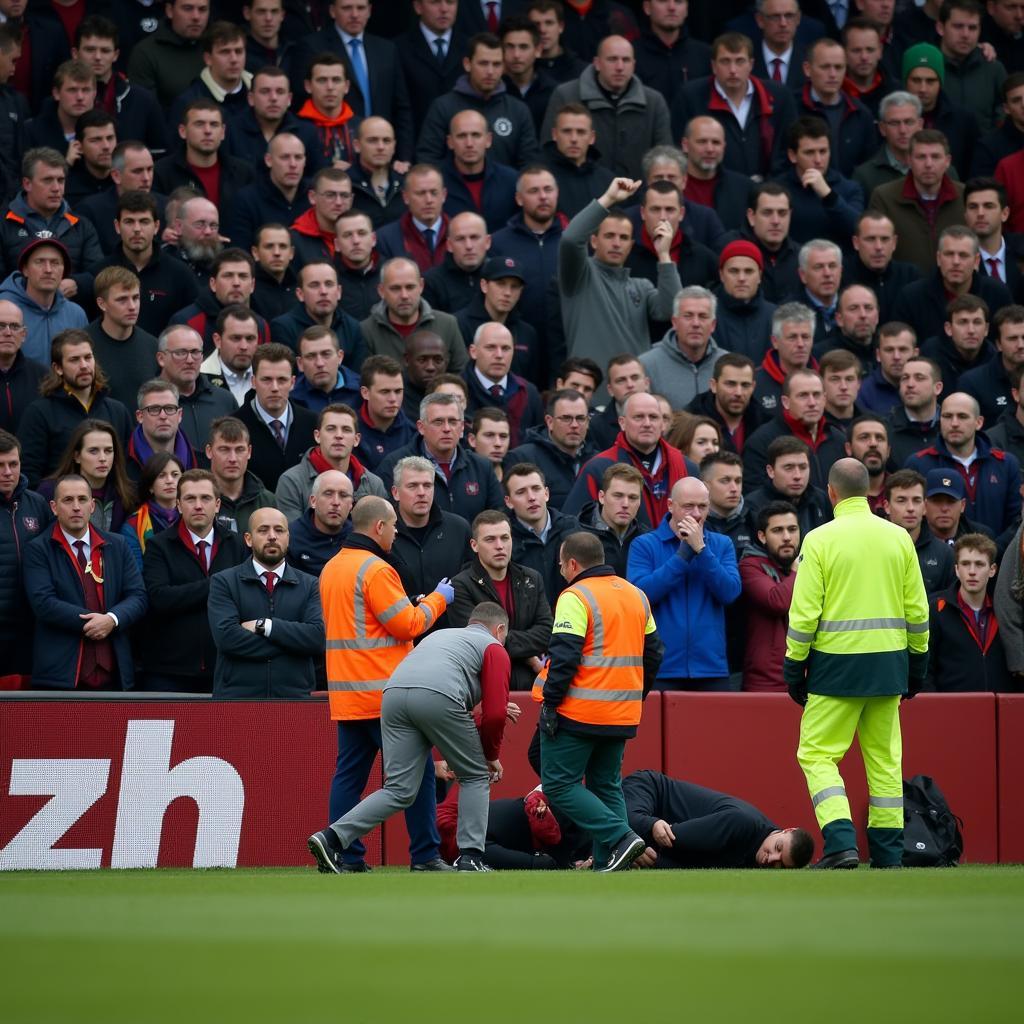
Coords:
pixel 428 702
pixel 605 311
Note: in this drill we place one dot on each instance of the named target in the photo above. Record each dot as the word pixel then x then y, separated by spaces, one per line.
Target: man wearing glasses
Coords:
pixel 899 116
pixel 158 416
pixel 179 356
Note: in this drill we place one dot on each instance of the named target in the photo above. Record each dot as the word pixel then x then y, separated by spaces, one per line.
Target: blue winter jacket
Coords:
pixel 688 598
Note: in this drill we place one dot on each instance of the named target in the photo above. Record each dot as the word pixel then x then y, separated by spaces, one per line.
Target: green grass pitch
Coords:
pixel 287 946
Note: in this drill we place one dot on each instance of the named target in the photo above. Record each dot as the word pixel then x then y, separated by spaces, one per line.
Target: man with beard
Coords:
pixel 197 228
pixel 266 619
pixel 767 573
pixel 869 444
pixel 708 183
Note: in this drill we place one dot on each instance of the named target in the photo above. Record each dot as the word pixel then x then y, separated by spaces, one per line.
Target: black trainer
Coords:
pixel 355 867
pixel 841 860
pixel 470 862
pixel 432 865
pixel 624 852
pixel 326 849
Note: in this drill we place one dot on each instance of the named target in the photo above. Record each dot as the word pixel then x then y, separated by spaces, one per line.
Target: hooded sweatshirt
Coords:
pixel 41 324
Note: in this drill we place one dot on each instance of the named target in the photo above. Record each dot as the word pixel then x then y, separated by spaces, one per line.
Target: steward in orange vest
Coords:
pixel 370 626
pixel 604 657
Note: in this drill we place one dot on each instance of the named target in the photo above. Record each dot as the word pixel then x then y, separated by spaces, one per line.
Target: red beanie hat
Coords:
pixel 741 248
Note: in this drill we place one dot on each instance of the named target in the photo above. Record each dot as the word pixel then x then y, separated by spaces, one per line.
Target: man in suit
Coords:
pixel 372 67
pixel 280 431
pixel 986 211
pixel 86 593
pixel 431 54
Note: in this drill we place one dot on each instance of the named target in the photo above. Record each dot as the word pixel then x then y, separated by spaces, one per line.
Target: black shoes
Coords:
pixel 358 867
pixel 432 865
pixel 470 862
pixel 326 849
pixel 624 852
pixel 841 860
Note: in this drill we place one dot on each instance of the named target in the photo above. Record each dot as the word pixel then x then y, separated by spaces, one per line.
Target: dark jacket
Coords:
pixel 48 49
pixel 23 517
pixel 922 304
pixel 346 391
pixel 530 620
pixel 991 148
pixel 704 405
pixel 54 590
pixel 447 286
pixel 310 549
pixel 136 110
pixel 402 238
pixel 287 328
pixel 853 140
pixel 780 279
pixel 165 63
pixel 743 326
pixel 560 469
pixel 260 202
pixel 731 198
pixel 537 95
pixel 270 297
pixel 877 394
pixel 202 315
pixel 529 551
pixel 509 120
pixel 876 170
pixel 100 210
pixel 669 68
pixel 234 513
pixel 935 557
pixel 907 437
pixel 578 185
pixel 49 421
pixel 13 117
pixel 758 148
pixel 172 171
pixel 1008 434
pixel 960 127
pixel 990 385
pixel 736 526
pixel 812 507
pixel 471 488
pixel 82 185
pixel 674 466
pixel 200 409
pixel 375 445
pixel 245 140
pixel 887 285
pixel 520 401
pixel 960 658
pixel 440 552
pixel 427 78
pixel 834 217
pixel 389 97
pixel 528 358
pixel 940 347
pixel 616 550
pixel 127 363
pixel 992 485
pixel 250 667
pixel 380 209
pixel 166 285
pixel 19 387
pixel 359 288
pixel 497 198
pixel 830 446
pixel 268 460
pixel 175 638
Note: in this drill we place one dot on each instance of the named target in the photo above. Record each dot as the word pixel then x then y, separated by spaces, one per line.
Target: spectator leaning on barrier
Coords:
pixel 266 619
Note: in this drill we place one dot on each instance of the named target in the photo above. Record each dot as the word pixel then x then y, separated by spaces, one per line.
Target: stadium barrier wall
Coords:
pixel 178 783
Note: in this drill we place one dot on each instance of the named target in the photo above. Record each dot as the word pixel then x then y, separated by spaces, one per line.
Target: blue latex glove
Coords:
pixel 446 590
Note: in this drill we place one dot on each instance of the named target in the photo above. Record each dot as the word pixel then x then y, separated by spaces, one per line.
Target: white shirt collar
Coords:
pixel 72 541
pixel 431 37
pixel 346 38
pixel 262 570
pixel 420 226
pixel 770 55
pixel 285 417
pixel 742 111
pixel 196 538
pixel 488 383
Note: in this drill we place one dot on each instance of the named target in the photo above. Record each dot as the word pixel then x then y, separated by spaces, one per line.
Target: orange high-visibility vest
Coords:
pixel 608 688
pixel 370 628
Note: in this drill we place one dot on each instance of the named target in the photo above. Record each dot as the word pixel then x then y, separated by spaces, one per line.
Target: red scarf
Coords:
pixel 355 468
pixel 765 108
pixel 186 539
pixel 307 225
pixel 798 430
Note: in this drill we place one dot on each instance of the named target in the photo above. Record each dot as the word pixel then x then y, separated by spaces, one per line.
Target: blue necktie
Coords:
pixel 362 76
pixel 439 49
pixel 428 237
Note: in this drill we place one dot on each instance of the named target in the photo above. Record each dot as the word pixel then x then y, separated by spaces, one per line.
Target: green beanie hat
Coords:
pixel 924 55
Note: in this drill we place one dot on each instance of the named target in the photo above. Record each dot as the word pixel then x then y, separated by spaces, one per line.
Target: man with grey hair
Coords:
pixel 158 415
pixel 402 309
pixel 179 356
pixel 429 543
pixel 428 702
pixel 792 341
pixel 683 362
pixel 899 116
pixel 604 308
pixel 464 482
pixel 197 229
pixel 670 163
pixel 820 268
pixel 628 116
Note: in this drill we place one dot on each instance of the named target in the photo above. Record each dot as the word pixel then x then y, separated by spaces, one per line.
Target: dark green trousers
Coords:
pixel 597 806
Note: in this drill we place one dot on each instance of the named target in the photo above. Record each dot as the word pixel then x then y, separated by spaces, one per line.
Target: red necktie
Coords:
pixel 270 579
pixel 993 267
pixel 492 16
pixel 777 69
pixel 201 546
pixel 495 390
pixel 83 562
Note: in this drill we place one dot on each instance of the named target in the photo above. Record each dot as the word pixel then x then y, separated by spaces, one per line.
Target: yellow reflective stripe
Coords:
pixel 798 636
pixel 586 693
pixel 826 794
pixel 885 801
pixel 917 627
pixel 368 644
pixel 364 685
pixel 390 613
pixel 856 625
pixel 623 661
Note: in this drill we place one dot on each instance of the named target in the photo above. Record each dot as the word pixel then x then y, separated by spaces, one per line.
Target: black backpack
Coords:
pixel 931 831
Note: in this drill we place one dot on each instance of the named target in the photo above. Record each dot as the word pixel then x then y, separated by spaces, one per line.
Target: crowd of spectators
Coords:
pixel 526 267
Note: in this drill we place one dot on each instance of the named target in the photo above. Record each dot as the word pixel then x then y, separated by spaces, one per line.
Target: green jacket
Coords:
pixel 859 614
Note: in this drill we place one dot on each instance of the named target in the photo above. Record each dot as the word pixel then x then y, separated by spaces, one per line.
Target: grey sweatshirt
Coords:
pixel 674 375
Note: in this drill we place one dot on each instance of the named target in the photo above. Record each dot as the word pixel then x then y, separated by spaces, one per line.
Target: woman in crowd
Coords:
pixel 94 452
pixel 157 495
pixel 695 436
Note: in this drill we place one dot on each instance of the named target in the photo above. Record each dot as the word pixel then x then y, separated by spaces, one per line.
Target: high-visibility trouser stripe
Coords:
pixel 585 693
pixel 621 661
pixel 885 801
pixel 857 625
pixel 825 794
pixel 363 685
pixel 390 613
pixel 368 644
pixel 798 636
